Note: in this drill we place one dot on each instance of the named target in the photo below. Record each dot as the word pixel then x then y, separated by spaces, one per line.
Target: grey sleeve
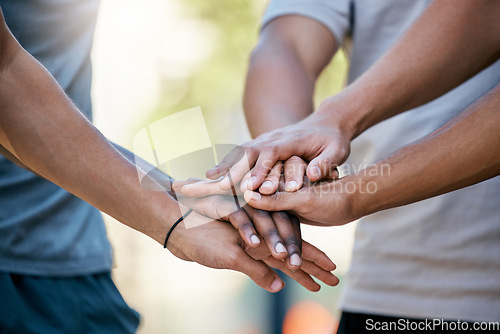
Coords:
pixel 333 14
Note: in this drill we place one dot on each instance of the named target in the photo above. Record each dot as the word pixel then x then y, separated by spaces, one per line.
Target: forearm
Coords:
pixel 282 73
pixel 463 152
pixel 42 129
pixel 278 92
pixel 448 44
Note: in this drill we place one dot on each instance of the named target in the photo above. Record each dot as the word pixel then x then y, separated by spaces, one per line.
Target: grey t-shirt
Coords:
pixel 439 258
pixel 44 230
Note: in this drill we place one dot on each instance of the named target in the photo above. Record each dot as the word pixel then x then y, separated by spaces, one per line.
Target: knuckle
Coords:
pixel 281 215
pixel 276 197
pixel 261 215
pixel 269 149
pixel 291 241
pixel 315 271
pixel 251 149
pixel 295 160
pixel 264 276
pixel 232 258
pixel 245 226
pixel 307 201
pixel 272 233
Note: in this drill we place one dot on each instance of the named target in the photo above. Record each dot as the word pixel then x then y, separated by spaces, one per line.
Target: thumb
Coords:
pixel 279 201
pixel 324 165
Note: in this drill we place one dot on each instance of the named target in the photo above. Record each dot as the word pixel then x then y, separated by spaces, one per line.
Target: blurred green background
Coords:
pixel 157 57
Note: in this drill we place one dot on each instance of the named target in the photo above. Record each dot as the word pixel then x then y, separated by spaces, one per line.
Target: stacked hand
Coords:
pixel 284 248
pixel 321 139
pixel 297 175
pixel 275 180
pixel 213 242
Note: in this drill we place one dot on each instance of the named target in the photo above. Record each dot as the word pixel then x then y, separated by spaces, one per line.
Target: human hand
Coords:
pixel 289 175
pixel 324 203
pixel 319 139
pixel 280 231
pixel 216 244
pixel 315 263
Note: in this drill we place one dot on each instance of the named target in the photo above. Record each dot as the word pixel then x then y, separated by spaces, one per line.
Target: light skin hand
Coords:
pixel 315 139
pixel 293 177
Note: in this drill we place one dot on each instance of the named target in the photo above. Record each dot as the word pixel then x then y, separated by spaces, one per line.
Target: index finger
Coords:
pixel 201 188
pixel 266 161
pixel 230 160
pixel 236 173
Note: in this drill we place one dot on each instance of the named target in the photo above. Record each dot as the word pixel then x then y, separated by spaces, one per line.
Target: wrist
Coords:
pixel 162 212
pixel 371 190
pixel 359 194
pixel 347 111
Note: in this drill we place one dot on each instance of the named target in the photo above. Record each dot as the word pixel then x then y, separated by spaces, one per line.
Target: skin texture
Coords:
pixel 323 138
pixel 274 73
pixel 279 232
pixel 470 139
pixel 73 154
pixel 279 90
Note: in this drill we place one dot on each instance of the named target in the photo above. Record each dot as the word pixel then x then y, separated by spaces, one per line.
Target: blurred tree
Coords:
pixel 217 84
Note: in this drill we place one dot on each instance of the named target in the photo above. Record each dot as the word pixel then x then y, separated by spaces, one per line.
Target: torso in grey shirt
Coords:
pixel 438 258
pixel 44 230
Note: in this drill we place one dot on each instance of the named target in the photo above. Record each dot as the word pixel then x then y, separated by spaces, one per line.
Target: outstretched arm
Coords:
pixel 42 130
pixel 448 44
pixel 463 152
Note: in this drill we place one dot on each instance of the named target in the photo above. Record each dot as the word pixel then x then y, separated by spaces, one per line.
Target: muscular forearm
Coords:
pixel 448 44
pixel 282 72
pixel 41 128
pixel 461 153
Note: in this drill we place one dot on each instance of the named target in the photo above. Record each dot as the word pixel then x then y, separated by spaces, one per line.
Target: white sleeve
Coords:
pixel 333 14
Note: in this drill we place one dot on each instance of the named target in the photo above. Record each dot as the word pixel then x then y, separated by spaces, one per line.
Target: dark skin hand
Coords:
pixel 315 262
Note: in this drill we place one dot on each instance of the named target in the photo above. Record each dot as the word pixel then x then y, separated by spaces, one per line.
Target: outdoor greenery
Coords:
pixel 217 85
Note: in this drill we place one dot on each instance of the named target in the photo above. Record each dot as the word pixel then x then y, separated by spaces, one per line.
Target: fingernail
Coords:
pixel 276 285
pixel 280 248
pixel 267 184
pixel 291 185
pixel 255 239
pixel 316 171
pixel 253 181
pixel 295 260
pixel 256 196
pixel 244 186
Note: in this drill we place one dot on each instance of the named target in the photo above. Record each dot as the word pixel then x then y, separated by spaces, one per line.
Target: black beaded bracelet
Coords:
pixel 175 225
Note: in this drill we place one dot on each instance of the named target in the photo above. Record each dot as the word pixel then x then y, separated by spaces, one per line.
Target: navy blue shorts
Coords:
pixel 80 304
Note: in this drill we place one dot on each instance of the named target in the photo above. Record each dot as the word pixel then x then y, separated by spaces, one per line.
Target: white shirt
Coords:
pixel 438 258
